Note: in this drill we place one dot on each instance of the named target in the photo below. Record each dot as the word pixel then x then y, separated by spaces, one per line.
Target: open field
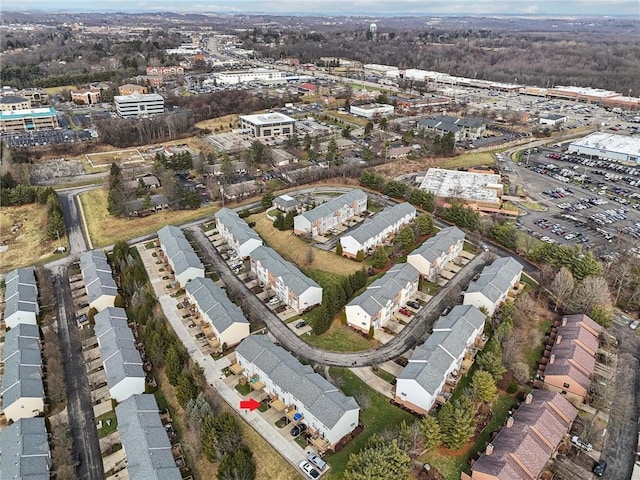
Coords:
pixel 340 338
pixel 220 124
pixel 29 244
pixel 296 250
pixel 127 156
pixel 347 118
pixel 105 229
pixel 55 90
pixel 469 160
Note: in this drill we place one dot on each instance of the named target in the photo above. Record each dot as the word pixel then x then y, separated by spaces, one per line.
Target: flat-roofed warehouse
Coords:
pixel 608 146
pixel 267 124
pixel 482 190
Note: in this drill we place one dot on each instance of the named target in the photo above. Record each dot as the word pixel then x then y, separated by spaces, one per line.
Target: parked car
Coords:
pixel 578 442
pixel 600 467
pixel 317 461
pixel 405 312
pixel 273 301
pixel 301 324
pixel 413 304
pixel 634 325
pixel 308 469
pixel 298 429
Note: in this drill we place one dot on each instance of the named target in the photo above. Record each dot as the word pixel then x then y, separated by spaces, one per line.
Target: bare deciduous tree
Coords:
pixel 561 288
pixel 592 292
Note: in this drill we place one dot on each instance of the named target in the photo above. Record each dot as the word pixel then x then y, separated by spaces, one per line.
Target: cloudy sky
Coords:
pixel 330 7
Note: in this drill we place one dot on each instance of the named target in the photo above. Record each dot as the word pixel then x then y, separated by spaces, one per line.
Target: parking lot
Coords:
pixel 45 137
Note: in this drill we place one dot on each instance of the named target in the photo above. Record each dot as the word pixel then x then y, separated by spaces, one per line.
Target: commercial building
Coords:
pixel 266 125
pixel 552 120
pixel 237 233
pixel 375 306
pixel 372 110
pixel 430 257
pixel 299 392
pixel 529 439
pixel 98 279
pixel 28 119
pixel 325 216
pixel 37 96
pixel 24 446
pixel 377 229
pixel 378 70
pixel 178 253
pixel 478 190
pixel 235 77
pixel 21 297
pixel 468 128
pixel 86 96
pixel 22 390
pixel 608 146
pixel 120 357
pixel 569 367
pixel 11 103
pixel 169 71
pixel 439 359
pixel 494 285
pixel 290 285
pixel 224 323
pixel 139 105
pixel 131 88
pixel 144 440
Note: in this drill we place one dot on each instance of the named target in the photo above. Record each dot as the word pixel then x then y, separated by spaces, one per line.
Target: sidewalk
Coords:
pixel 213 368
pixel 379 385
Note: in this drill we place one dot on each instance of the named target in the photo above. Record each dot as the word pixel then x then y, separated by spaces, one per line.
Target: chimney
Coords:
pixel 559 339
pixel 529 398
pixel 552 358
pixel 489 449
pixel 509 421
pixel 564 321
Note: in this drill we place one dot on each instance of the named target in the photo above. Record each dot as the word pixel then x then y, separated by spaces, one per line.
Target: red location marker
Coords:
pixel 251 404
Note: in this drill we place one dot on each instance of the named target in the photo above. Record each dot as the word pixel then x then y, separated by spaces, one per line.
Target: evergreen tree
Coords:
pixel 483 386
pixel 339 249
pixel 457 422
pixel 431 435
pixel 208 439
pixel 185 390
pixel 237 465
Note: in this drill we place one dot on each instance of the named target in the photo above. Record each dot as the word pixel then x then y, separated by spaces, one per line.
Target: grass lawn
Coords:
pixel 361 122
pixel 29 244
pixel 219 124
pixel 534 206
pixel 105 229
pixel 469 160
pixel 56 90
pixel 109 423
pixel 380 414
pixel 340 338
pixel 386 376
pixel 296 250
pixel 243 389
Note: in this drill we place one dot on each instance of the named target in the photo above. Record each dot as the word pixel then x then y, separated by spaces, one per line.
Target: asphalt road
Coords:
pixel 81 419
pixel 622 434
pixel 72 219
pixel 412 334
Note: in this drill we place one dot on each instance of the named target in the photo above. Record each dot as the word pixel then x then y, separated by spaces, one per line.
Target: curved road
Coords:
pixel 412 334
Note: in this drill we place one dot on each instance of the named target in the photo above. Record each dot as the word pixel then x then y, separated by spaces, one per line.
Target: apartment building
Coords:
pixel 430 257
pixel 237 233
pixel 329 214
pixel 493 286
pixel 25 450
pixel 21 297
pixel 178 253
pixel 98 279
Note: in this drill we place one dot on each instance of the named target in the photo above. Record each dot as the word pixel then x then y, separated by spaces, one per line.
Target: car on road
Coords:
pixel 298 429
pixel 301 324
pixel 317 461
pixel 600 467
pixel 413 304
pixel 308 469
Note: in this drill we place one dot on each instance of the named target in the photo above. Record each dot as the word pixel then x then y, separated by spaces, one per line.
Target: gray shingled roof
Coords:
pixel 495 279
pixel 375 225
pixel 430 361
pixel 322 399
pixel 213 302
pixel 280 268
pixel 440 243
pixel 21 292
pixel 450 124
pixel 25 450
pixel 286 201
pixel 386 288
pixel 97 275
pixel 236 226
pixel 178 249
pixel 144 440
pixel 328 208
pixel 118 350
pixel 22 377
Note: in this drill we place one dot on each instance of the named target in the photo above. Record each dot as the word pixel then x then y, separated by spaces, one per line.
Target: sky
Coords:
pixel 338 7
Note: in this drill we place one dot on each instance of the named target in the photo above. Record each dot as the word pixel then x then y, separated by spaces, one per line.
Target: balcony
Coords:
pixel 320 443
pixel 256 384
pixel 294 416
pixel 236 368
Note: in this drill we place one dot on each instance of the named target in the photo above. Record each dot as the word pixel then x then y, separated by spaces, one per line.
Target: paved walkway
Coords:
pixel 290 450
pixel 371 379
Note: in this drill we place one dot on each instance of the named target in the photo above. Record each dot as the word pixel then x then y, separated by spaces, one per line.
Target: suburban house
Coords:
pixel 438 361
pixel 280 158
pixel 137 207
pixel 179 255
pixel 568 368
pixel 120 357
pixel 290 285
pixel 98 279
pixel 297 390
pixel 375 306
pixel 377 229
pixel 461 128
pixel 144 440
pixel 224 318
pixel 24 446
pixel 240 190
pixel 337 210
pixel 529 439
pixel 21 297
pixel 286 203
pixel 494 284
pixel 237 233
pixel 22 389
pixel 430 257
